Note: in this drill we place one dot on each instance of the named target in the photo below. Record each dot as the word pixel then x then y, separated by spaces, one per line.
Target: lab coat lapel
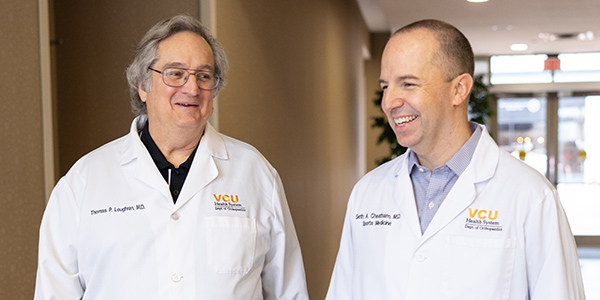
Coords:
pixel 460 198
pixel 204 169
pixel 146 171
pixel 405 197
pixel 464 193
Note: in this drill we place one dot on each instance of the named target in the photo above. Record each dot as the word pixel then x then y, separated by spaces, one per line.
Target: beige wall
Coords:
pixel 21 148
pixel 293 92
pixel 97 43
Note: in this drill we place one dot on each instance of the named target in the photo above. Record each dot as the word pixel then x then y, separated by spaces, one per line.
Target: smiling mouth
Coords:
pixel 403 120
pixel 187 104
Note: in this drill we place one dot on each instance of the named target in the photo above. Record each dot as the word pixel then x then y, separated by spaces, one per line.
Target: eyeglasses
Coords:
pixel 177 77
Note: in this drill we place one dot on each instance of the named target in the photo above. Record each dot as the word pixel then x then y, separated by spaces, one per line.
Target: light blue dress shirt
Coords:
pixel 432 187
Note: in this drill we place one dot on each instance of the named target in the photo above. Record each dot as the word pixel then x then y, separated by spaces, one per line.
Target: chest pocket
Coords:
pixel 478 268
pixel 230 244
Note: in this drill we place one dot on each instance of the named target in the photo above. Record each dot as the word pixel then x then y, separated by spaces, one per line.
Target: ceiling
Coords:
pixel 493 26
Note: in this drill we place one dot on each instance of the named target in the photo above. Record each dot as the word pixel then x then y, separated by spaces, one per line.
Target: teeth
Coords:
pixel 403 120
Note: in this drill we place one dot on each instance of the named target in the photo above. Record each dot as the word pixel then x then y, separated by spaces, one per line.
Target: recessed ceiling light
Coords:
pixel 551 37
pixel 477 1
pixel 548 37
pixel 518 47
pixel 585 36
pixel 502 27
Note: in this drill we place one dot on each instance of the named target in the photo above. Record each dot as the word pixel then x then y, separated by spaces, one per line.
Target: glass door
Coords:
pixel 522 129
pixel 558 136
pixel 578 162
pixel 561 140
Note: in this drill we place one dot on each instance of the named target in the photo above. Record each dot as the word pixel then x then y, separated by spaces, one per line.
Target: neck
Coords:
pixel 177 145
pixel 447 144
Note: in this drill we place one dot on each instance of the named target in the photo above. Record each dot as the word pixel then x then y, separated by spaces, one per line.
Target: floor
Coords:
pixel 589 259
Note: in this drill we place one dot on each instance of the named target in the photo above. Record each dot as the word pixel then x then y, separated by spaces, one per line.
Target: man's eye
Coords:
pixel 204 76
pixel 174 73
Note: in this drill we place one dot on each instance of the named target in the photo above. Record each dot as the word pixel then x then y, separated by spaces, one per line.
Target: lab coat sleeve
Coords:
pixel 57 273
pixel 283 273
pixel 552 262
pixel 341 287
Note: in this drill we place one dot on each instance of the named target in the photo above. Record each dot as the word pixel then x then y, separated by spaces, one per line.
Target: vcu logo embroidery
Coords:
pixel 483 214
pixel 482 219
pixel 226 198
pixel 224 202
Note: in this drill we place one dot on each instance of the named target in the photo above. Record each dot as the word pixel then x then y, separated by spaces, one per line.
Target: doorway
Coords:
pixel 93 43
pixel 557 135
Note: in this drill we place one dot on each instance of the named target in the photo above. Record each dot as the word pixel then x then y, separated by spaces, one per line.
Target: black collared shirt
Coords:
pixel 175 177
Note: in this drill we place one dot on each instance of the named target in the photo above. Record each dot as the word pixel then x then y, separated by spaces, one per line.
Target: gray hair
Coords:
pixel 138 74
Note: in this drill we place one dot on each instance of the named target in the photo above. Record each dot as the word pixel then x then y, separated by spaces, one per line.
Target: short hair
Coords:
pixel 146 55
pixel 456 55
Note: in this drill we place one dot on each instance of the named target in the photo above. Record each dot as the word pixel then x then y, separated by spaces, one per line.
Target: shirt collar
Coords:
pixel 460 161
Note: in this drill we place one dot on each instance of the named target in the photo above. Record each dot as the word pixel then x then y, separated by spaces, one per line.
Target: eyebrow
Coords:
pixel 405 77
pixel 180 65
pixel 400 78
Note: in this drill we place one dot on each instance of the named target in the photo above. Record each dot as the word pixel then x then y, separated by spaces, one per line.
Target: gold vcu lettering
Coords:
pixel 483 214
pixel 226 198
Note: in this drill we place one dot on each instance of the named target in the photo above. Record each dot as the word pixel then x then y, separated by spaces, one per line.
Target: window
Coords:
pixel 521 69
pixel 522 129
pixel 578 162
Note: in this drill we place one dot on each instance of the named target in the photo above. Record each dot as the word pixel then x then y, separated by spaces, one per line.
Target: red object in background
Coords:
pixel 552 64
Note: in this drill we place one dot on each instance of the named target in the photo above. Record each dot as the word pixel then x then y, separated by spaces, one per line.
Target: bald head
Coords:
pixel 454 55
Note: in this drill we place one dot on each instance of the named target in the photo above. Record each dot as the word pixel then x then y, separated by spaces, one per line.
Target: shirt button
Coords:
pixel 421 257
pixel 175 192
pixel 176 278
pixel 431 205
pixel 421 170
pixel 175 216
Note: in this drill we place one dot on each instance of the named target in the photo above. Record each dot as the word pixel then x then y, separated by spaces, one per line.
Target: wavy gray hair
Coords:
pixel 138 74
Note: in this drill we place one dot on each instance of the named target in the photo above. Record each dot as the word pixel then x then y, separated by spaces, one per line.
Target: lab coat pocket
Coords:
pixel 231 244
pixel 478 268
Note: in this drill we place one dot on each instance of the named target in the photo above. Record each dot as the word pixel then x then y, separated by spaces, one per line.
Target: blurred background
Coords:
pixel 301 89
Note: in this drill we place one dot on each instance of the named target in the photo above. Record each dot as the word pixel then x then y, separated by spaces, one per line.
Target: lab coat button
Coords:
pixel 176 278
pixel 175 216
pixel 421 257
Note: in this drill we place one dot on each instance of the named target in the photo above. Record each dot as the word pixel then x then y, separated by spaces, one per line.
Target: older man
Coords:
pixel 173 210
pixel 455 217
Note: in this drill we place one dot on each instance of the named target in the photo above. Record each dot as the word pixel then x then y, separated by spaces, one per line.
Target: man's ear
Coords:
pixel 143 94
pixel 462 86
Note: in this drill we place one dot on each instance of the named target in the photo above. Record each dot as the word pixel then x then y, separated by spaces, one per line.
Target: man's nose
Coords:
pixel 191 85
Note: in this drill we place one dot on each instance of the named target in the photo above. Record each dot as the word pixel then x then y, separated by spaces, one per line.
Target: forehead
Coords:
pixel 411 52
pixel 186 48
pixel 418 43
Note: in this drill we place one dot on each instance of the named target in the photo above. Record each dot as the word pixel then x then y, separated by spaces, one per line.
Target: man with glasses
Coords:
pixel 173 210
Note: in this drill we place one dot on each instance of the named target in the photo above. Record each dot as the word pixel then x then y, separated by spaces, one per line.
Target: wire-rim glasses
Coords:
pixel 177 77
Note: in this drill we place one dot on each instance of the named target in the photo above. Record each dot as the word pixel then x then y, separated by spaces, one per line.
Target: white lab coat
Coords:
pixel 500 234
pixel 111 230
